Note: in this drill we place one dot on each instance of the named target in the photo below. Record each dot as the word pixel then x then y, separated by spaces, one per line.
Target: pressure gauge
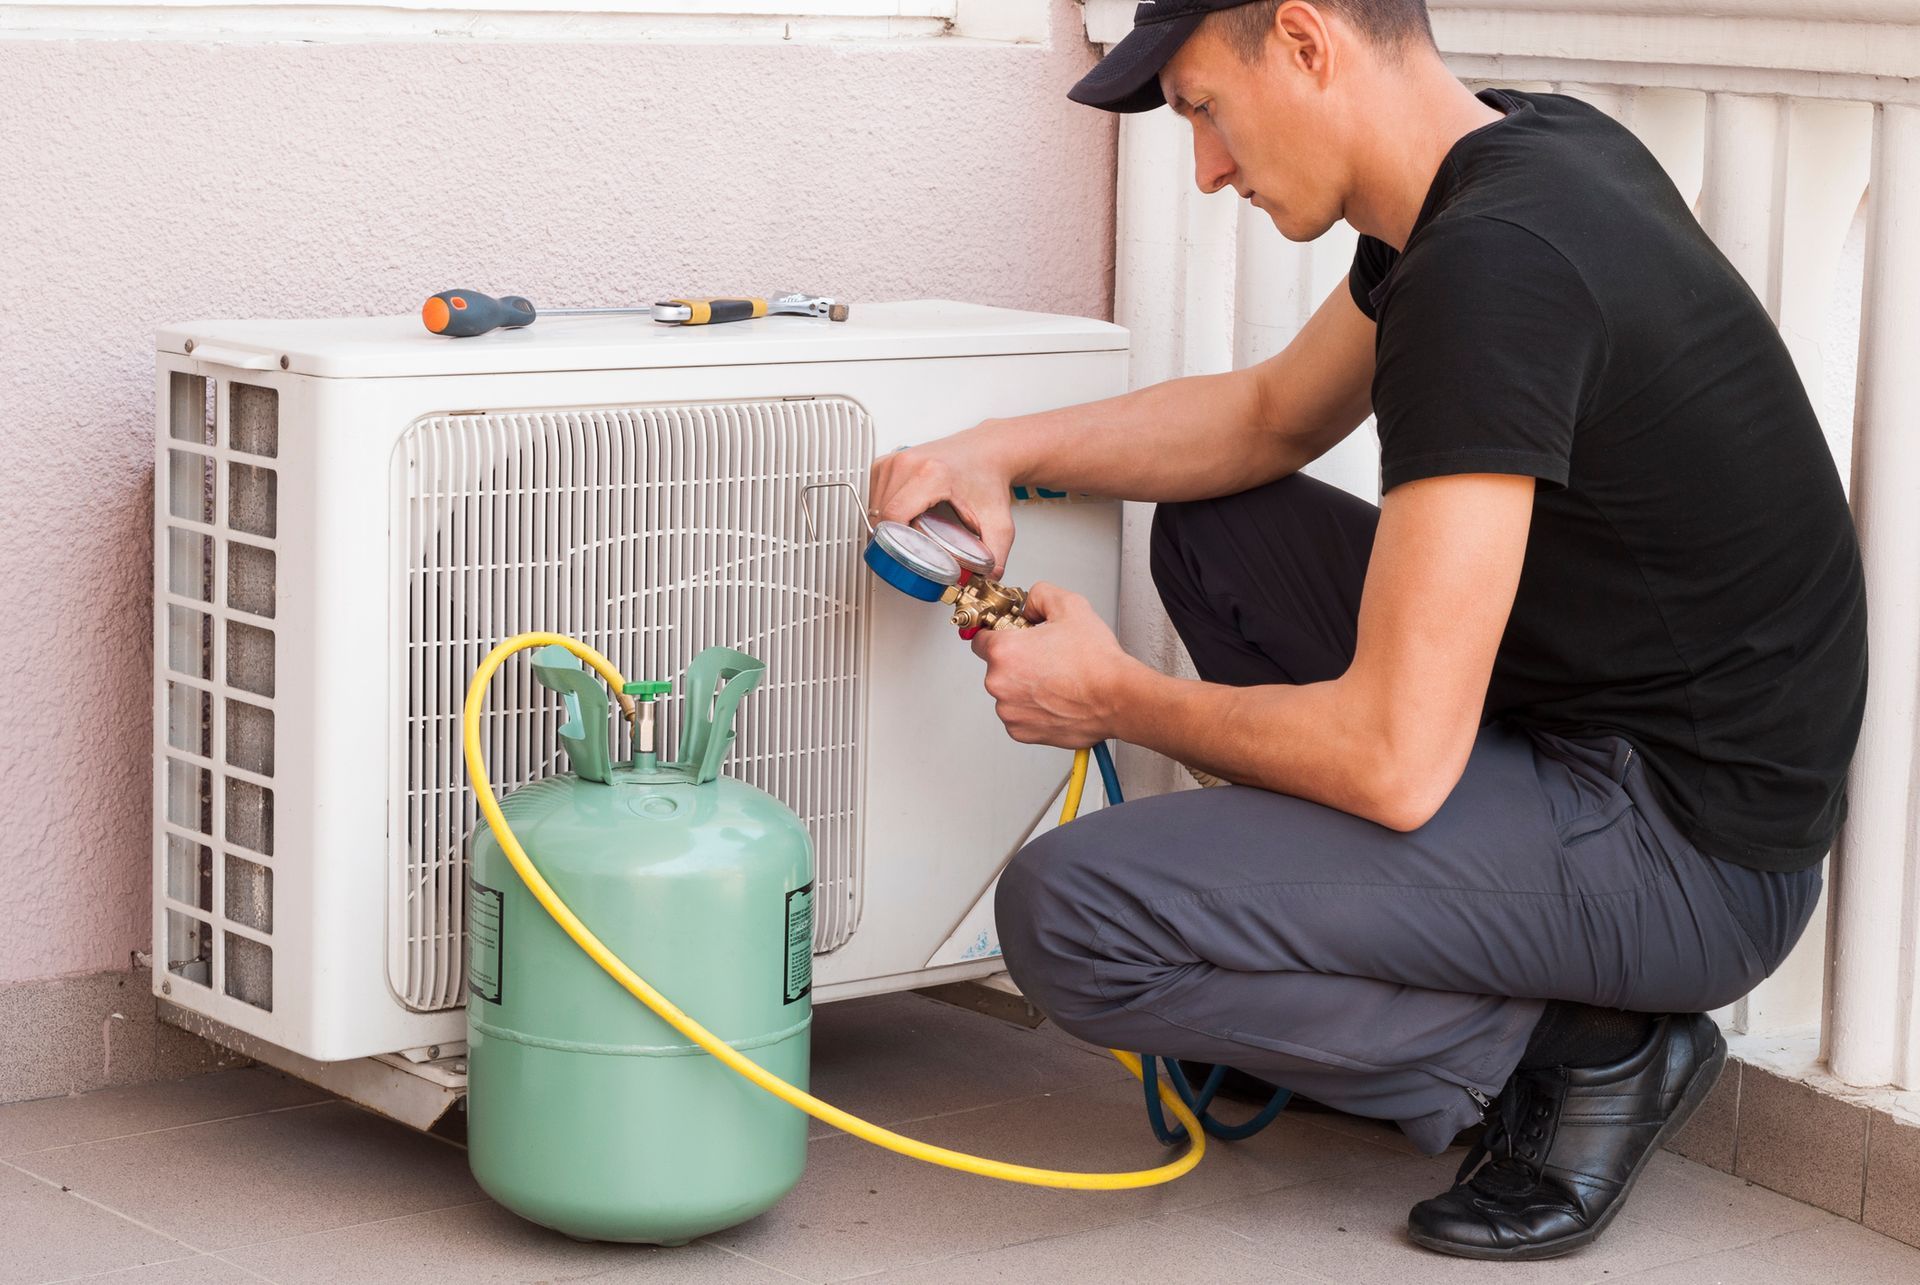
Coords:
pixel 950 534
pixel 911 561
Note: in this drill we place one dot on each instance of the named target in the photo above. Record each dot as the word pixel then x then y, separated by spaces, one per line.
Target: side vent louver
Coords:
pixel 219 586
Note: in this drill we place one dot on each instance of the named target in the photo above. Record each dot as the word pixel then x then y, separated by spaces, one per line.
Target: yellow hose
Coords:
pixel 1076 782
pixel 745 1066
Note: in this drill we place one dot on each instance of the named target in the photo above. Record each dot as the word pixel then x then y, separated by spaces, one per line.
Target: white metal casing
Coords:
pixel 944 797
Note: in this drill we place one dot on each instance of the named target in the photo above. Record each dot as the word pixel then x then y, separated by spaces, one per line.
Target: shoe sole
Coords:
pixel 1696 1092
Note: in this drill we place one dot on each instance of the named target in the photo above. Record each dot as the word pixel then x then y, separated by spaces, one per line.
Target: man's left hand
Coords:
pixel 1059 682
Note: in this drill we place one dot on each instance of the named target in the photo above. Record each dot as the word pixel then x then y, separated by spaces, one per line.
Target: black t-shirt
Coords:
pixel 1692 581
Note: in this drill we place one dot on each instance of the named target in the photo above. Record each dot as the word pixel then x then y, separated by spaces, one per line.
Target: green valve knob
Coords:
pixel 643 744
pixel 647 691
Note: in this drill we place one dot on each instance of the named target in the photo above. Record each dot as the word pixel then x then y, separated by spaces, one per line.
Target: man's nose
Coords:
pixel 1212 167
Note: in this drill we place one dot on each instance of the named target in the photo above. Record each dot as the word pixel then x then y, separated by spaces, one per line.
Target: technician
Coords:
pixel 1533 764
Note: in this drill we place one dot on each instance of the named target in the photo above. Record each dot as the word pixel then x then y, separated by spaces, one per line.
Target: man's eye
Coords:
pixel 1205 109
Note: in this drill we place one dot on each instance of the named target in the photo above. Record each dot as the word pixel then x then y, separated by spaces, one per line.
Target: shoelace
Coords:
pixel 1515 1138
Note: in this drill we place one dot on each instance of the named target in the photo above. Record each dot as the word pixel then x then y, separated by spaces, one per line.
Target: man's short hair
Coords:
pixel 1390 23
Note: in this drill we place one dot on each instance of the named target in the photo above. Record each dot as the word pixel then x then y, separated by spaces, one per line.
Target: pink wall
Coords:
pixel 152 182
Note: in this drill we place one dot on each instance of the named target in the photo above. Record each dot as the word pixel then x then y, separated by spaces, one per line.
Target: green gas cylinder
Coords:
pixel 587 1113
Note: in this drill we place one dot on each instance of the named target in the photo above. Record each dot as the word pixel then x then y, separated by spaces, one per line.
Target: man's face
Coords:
pixel 1263 127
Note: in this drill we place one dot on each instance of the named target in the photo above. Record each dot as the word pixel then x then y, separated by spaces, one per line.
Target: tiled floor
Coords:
pixel 245 1176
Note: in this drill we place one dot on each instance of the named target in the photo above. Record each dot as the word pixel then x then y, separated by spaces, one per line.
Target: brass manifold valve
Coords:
pixel 979 603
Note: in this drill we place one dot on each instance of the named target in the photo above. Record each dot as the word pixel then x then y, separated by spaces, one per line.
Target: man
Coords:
pixel 1535 763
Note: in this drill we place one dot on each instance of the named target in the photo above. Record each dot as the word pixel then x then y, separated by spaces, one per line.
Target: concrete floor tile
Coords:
pixel 1131 1251
pixel 144 1108
pixel 480 1244
pixel 325 1192
pixel 1381 1133
pixel 1105 1126
pixel 857 1210
pixel 1353 1229
pixel 892 1058
pixel 264 1177
pixel 204 1270
pixel 860 1209
pixel 1843 1251
pixel 47 1234
pixel 1729 1267
pixel 1717 1210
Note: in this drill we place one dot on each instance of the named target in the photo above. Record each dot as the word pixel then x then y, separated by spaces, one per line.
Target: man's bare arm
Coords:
pixel 1207 435
pixel 1184 439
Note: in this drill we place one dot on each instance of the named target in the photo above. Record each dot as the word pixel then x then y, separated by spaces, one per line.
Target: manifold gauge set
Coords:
pixel 937 559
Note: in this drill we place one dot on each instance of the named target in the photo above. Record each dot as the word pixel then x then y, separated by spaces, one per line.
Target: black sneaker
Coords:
pixel 1564 1145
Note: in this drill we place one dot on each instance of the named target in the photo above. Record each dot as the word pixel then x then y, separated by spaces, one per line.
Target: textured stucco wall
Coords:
pixel 145 182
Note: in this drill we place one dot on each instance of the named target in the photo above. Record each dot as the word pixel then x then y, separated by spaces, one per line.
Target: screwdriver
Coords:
pixel 464 313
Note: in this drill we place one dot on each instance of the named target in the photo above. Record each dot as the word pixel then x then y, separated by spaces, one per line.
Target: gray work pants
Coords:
pixel 1380 972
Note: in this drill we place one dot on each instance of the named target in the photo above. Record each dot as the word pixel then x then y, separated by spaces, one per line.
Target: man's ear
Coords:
pixel 1303 35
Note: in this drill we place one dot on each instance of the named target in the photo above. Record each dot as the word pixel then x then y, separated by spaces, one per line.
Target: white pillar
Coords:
pixel 1281 284
pixel 1174 264
pixel 1743 164
pixel 1205 284
pixel 1148 232
pixel 1174 275
pixel 1873 1032
pixel 1824 160
pixel 1742 194
pixel 1673 125
pixel 1615 100
pixel 1275 289
pixel 1670 123
pixel 1830 153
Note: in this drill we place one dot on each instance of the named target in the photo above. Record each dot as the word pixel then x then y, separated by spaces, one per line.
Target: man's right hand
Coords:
pixel 964 470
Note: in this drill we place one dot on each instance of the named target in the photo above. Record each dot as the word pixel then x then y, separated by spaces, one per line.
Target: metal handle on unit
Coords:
pixel 806 505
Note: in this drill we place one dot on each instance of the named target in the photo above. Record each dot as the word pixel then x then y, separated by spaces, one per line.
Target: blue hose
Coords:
pixel 1199 1102
pixel 1109 779
pixel 1149 1065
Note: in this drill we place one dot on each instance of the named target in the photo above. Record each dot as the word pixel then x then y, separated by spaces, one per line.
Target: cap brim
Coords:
pixel 1128 78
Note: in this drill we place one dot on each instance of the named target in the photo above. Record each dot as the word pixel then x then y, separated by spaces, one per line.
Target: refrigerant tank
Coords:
pixel 587 1113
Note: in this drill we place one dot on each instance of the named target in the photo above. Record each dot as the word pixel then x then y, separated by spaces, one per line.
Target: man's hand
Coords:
pixel 963 469
pixel 1060 682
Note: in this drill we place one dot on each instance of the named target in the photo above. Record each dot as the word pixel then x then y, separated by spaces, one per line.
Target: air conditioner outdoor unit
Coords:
pixel 350 512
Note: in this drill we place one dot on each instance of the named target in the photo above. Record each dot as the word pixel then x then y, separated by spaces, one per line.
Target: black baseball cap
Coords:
pixel 1128 78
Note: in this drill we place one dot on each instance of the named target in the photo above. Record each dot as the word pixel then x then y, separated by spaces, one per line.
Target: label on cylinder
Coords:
pixel 483 941
pixel 799 943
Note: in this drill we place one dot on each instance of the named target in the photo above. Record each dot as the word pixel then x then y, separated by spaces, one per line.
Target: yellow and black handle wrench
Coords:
pixel 706 312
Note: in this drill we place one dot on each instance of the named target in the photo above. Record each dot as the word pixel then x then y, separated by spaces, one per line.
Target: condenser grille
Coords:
pixel 650 533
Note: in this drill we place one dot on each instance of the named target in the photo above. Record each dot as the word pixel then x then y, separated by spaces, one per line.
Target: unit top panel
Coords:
pixel 374 347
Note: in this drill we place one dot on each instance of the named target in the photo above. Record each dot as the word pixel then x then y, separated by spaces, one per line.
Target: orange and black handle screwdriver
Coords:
pixel 463 313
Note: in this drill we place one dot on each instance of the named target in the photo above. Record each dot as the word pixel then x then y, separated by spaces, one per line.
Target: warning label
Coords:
pixel 483 941
pixel 799 943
